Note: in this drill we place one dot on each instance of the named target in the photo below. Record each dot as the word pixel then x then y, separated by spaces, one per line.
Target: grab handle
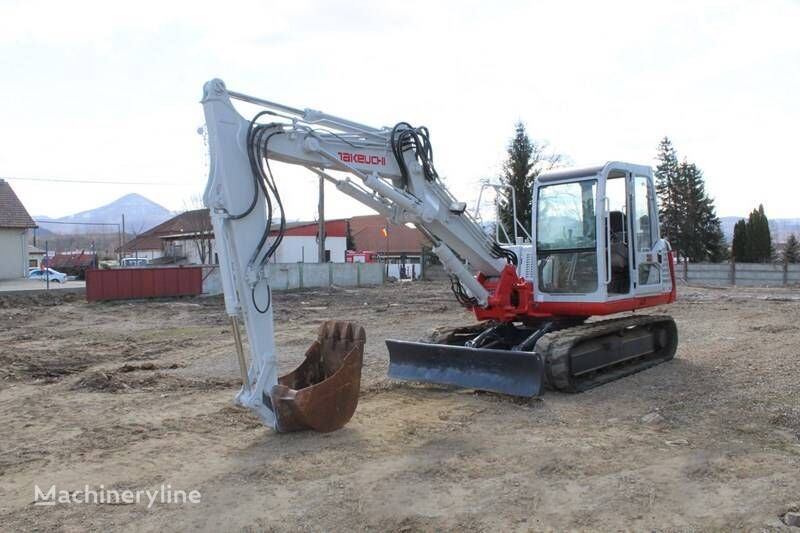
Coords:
pixel 607 207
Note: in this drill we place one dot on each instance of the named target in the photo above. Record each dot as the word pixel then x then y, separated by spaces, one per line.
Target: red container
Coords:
pixel 130 283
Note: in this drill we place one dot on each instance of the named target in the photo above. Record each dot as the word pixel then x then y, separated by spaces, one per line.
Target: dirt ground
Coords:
pixel 134 395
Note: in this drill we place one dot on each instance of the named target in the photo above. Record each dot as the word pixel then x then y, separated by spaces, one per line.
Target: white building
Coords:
pixel 300 245
pixel 14 225
pixel 35 256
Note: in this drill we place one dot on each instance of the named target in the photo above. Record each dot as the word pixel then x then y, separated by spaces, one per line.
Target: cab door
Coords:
pixel 645 267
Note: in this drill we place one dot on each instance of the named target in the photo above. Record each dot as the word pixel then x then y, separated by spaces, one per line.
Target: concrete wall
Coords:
pixel 435 273
pixel 13 253
pixel 212 284
pixel 287 276
pixel 742 274
pixel 293 249
pixel 412 270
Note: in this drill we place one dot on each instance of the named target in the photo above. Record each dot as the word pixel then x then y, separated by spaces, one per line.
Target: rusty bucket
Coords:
pixel 322 393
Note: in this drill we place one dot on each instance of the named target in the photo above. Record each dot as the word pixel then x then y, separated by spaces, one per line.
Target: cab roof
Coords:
pixel 568 173
pixel 616 169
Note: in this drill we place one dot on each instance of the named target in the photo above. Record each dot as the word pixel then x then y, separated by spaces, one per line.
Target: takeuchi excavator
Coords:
pixel 594 250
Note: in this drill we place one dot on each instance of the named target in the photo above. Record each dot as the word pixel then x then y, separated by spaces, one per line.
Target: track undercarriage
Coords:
pixel 564 354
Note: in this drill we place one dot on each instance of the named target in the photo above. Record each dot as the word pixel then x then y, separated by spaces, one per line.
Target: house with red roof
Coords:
pixel 15 222
pixel 189 238
pixel 391 241
pixel 300 240
pixel 151 245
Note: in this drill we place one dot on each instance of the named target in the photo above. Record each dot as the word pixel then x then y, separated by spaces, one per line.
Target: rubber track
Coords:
pixel 557 345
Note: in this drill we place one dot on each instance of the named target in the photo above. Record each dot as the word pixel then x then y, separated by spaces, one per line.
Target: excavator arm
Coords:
pixel 394 175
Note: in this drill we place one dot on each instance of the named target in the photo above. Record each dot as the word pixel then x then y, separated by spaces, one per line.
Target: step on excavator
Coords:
pixel 594 250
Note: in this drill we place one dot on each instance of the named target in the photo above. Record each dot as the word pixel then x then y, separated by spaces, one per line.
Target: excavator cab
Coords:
pixel 597 238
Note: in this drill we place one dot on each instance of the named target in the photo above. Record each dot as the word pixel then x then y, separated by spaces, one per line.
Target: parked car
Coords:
pixel 41 274
pixel 133 262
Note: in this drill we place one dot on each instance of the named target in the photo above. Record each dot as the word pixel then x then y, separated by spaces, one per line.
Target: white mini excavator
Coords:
pixel 594 250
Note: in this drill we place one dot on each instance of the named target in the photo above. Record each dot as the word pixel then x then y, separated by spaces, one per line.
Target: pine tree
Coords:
pixel 670 193
pixel 765 247
pixel 739 247
pixel 688 218
pixel 526 160
pixel 791 250
pixel 699 232
pixel 718 250
pixel 758 247
pixel 751 236
pixel 689 238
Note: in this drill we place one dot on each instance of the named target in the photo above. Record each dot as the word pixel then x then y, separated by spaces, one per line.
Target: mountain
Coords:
pixel 140 213
pixel 780 228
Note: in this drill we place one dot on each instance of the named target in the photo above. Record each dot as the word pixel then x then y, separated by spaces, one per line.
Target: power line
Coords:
pixel 78 223
pixel 100 182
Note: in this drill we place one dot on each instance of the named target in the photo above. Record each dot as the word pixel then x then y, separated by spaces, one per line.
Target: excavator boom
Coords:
pixel 395 176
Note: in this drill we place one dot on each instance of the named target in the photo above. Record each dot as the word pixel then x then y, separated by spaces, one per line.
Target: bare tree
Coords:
pixel 198 226
pixel 135 231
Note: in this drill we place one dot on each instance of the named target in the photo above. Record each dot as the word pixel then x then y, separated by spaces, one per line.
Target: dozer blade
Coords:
pixel 322 393
pixel 504 371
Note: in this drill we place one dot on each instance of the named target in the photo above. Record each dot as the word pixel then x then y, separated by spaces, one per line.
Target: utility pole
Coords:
pixel 47 265
pixel 122 248
pixel 321 246
pixel 386 257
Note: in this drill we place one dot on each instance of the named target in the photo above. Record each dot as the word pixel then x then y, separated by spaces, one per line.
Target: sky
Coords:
pixel 109 91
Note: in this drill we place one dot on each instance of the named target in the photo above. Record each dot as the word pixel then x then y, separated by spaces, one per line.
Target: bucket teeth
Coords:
pixel 328 330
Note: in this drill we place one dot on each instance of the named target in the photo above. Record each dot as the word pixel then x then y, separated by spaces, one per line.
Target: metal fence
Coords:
pixel 130 283
pixel 742 274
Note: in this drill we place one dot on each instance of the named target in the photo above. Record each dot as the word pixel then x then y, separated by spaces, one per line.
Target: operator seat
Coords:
pixel 620 274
